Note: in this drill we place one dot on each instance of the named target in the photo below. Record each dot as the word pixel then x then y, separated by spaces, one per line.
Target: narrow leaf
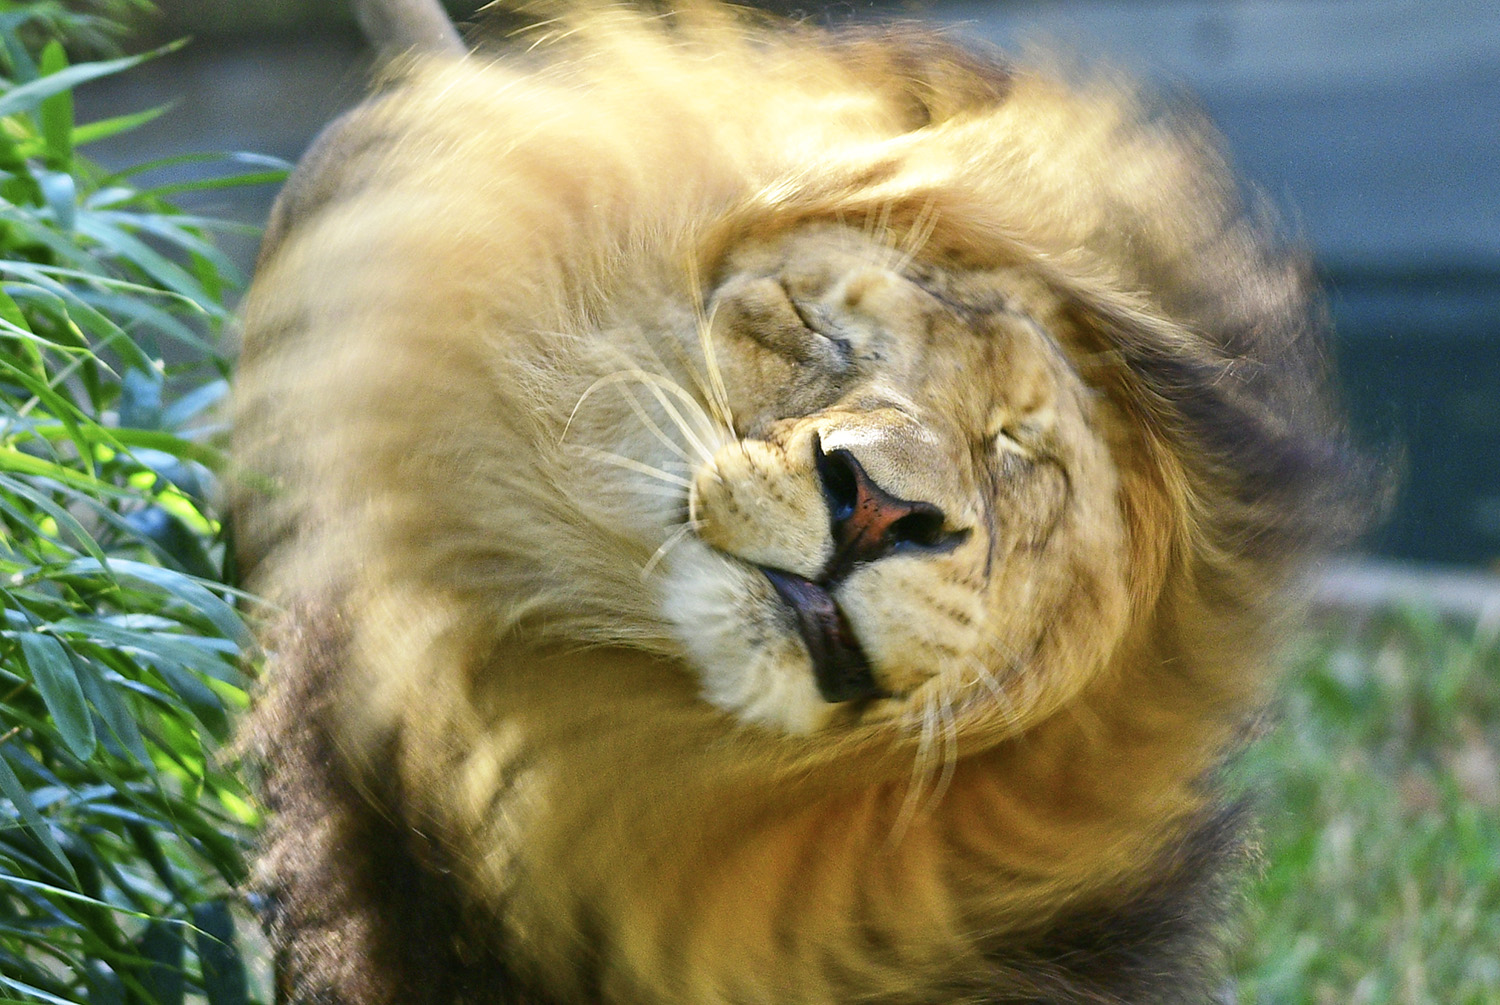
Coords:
pixel 56 678
pixel 198 697
pixel 37 993
pixel 223 971
pixel 105 986
pixel 117 717
pixel 162 944
pixel 183 587
pixel 91 132
pixel 61 193
pixel 56 111
pixel 13 790
pixel 28 96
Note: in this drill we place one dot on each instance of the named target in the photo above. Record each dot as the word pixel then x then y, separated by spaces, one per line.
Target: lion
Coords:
pixel 754 513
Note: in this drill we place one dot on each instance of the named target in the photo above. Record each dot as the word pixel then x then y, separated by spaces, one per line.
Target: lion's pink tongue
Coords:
pixel 840 668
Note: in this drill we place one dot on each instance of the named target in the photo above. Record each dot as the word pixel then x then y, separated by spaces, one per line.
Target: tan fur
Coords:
pixel 529 390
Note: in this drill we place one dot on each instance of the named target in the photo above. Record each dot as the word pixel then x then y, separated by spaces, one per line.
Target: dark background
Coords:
pixel 1373 125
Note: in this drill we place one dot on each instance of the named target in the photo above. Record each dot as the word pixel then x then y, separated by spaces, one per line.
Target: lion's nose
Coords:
pixel 867 521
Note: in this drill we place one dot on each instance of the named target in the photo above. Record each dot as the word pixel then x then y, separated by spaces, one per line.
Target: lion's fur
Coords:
pixel 503 677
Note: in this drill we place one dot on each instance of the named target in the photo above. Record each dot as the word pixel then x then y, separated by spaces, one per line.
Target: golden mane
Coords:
pixel 495 366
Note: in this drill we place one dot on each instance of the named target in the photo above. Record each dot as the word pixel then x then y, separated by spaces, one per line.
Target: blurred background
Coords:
pixel 1374 125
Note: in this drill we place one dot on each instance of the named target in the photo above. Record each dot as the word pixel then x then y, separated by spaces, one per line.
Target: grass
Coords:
pixel 1381 793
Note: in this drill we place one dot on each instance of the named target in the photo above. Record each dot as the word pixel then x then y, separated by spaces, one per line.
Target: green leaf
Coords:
pixel 18 462
pixel 177 160
pixel 150 849
pixel 174 444
pixel 127 247
pixel 11 786
pixel 15 51
pixel 61 193
pixel 175 540
pixel 56 112
pixel 72 308
pixel 223 971
pixel 198 696
pixel 117 717
pixel 56 678
pixel 272 177
pixel 28 97
pixel 184 588
pixel 91 132
pixel 105 986
pixel 10 312
pixel 182 231
pixel 37 993
pixel 188 407
pixel 191 651
pixel 162 945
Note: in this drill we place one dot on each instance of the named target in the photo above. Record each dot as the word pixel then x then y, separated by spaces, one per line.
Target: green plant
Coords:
pixel 121 831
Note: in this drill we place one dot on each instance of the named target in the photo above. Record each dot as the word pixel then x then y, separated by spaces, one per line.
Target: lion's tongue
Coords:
pixel 839 665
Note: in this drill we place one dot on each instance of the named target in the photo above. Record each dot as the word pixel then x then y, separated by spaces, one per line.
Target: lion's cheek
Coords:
pixel 752 503
pixel 749 662
pixel 915 622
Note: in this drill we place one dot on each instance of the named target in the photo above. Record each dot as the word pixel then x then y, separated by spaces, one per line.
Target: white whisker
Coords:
pixel 949 738
pixel 719 399
pixel 660 387
pixel 631 464
pixel 664 491
pixel 673 539
pixel 921 773
pixel 656 430
pixel 985 677
pixel 918 235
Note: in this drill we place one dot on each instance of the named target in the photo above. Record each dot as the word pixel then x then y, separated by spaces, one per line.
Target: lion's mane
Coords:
pixel 496 771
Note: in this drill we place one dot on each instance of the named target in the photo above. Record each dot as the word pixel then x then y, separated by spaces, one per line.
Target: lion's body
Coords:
pixel 544 364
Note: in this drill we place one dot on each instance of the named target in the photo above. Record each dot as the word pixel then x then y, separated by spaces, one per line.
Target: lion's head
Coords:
pixel 910 500
pixel 701 426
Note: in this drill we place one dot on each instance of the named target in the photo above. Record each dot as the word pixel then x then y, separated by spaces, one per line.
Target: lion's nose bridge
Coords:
pixel 904 458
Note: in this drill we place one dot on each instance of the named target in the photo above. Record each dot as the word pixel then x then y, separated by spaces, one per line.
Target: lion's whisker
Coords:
pixel 656 430
pixel 917 235
pixel 984 676
pixel 631 464
pixel 921 773
pixel 947 737
pixel 659 387
pixel 664 491
pixel 701 383
pixel 719 399
pixel 707 417
pixel 672 540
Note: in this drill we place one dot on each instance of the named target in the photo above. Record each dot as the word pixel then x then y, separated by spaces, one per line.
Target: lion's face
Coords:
pixel 915 491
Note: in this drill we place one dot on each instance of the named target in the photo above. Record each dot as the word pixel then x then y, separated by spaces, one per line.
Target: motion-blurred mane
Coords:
pixel 544 364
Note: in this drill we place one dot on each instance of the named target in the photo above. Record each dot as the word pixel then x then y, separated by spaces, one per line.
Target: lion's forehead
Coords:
pixel 965 351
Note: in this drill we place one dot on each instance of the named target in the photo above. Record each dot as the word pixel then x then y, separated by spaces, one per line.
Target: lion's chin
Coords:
pixel 747 646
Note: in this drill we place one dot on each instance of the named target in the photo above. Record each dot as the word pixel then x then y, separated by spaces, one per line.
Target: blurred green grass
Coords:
pixel 1379 786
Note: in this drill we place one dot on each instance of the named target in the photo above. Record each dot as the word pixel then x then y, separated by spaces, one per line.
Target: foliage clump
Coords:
pixel 121 832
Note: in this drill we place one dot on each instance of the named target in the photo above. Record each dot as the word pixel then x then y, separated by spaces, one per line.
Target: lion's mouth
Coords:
pixel 840 667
